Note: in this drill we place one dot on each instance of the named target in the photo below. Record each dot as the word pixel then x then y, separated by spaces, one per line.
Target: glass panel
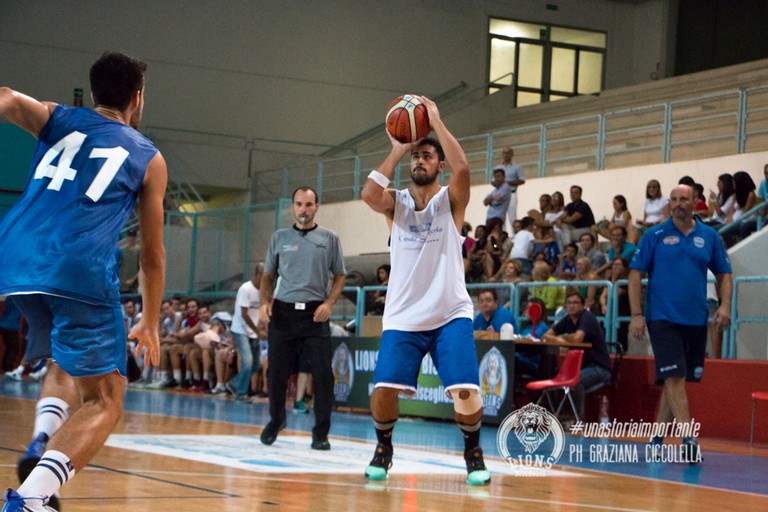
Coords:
pixel 515 29
pixel 527 98
pixel 563 69
pixel 580 37
pixel 502 61
pixel 590 72
pixel 529 70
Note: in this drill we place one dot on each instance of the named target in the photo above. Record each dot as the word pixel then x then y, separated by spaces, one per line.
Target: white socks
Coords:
pixel 53 471
pixel 50 415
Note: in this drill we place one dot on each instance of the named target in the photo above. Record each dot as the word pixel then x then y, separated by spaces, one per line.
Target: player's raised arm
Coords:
pixel 24 111
pixel 376 192
pixel 458 186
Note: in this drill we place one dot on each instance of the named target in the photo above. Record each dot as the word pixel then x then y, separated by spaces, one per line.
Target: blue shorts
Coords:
pixel 678 350
pixel 84 339
pixel 451 346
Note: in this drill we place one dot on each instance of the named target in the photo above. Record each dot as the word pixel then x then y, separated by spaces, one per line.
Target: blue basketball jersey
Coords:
pixel 61 237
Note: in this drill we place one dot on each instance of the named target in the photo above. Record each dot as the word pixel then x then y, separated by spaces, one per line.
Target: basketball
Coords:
pixel 407 119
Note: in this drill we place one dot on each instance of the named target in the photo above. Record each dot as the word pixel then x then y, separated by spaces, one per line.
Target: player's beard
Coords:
pixel 422 179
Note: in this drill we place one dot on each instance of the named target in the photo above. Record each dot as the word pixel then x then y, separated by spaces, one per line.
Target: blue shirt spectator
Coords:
pixel 491 316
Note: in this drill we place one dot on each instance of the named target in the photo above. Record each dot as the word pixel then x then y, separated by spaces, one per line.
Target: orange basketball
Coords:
pixel 407 119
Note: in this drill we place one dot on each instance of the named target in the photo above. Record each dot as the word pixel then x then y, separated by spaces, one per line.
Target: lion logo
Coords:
pixel 343 372
pixel 532 426
pixel 535 429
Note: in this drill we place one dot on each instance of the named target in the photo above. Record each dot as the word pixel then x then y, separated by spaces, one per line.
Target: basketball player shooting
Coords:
pixel 428 309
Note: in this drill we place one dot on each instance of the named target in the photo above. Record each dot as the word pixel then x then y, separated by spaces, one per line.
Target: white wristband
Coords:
pixel 379 178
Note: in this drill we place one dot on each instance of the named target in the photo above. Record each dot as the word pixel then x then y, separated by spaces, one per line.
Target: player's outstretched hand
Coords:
pixel 148 339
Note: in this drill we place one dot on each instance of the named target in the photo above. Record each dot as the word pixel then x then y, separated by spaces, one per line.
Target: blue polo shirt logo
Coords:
pixel 698 242
pixel 671 240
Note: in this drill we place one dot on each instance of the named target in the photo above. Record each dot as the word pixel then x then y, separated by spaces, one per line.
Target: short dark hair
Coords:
pixel 623 230
pixel 573 246
pixel 501 170
pixel 686 180
pixel 491 291
pixel 527 221
pixel 431 141
pixel 572 293
pixel 304 189
pixel 577 187
pixel 590 235
pixel 115 78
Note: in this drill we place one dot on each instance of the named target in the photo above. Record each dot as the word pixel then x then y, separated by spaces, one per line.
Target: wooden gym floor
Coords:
pixel 186 452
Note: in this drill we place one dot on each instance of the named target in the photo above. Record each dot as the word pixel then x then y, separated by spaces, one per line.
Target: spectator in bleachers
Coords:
pixel 578 218
pixel 515 178
pixel 619 217
pixel 700 207
pixel 554 218
pixel 762 195
pixel 655 209
pixel 244 331
pixel 516 227
pixel 491 316
pixel 566 269
pixel 171 353
pixel 584 272
pixel 686 180
pixel 522 244
pixel 552 296
pixel 466 232
pixel 498 199
pixel 198 364
pixel 169 324
pixel 545 205
pixel 619 270
pixel 746 199
pixel 498 247
pixel 620 248
pixel 590 249
pixel 477 256
pixel 545 246
pixel 510 273
pixel 721 204
pixel 380 296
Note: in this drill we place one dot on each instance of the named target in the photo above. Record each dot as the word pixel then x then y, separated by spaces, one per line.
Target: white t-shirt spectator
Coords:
pixel 521 245
pixel 248 296
pixel 654 209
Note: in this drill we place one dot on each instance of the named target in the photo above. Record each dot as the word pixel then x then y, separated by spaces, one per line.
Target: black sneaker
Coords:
pixel 320 444
pixel 380 464
pixel 477 473
pixel 269 434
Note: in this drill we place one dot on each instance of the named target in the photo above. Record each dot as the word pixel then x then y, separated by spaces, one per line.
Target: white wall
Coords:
pixel 298 70
pixel 363 231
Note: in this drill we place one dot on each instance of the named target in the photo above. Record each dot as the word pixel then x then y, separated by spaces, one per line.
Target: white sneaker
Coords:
pixel 38 375
pixel 15 374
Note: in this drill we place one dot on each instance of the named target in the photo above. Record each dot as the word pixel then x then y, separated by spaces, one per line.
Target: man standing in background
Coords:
pixel 310 264
pixel 245 326
pixel 514 178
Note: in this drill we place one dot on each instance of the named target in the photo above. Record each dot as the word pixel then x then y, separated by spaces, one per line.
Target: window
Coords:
pixel 544 62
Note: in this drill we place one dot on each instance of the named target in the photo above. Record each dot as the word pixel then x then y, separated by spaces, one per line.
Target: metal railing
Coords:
pixel 728 122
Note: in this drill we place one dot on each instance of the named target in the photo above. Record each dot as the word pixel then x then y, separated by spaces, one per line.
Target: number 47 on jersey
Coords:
pixel 66 149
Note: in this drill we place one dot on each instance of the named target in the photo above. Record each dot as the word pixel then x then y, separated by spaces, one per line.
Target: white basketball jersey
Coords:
pixel 426 287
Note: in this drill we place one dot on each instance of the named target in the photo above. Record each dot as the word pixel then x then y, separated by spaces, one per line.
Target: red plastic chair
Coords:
pixel 566 379
pixel 757 395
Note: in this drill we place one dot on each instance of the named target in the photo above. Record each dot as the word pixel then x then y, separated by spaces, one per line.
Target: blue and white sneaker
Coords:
pixel 12 502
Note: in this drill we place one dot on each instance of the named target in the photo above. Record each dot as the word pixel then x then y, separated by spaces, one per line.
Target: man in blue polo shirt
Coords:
pixel 676 255
pixel 491 317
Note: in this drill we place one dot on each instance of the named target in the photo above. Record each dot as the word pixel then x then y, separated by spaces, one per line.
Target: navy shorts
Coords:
pixel 451 346
pixel 84 339
pixel 678 349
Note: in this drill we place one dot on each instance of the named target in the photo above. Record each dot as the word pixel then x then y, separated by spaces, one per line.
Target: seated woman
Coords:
pixel 380 296
pixel 721 204
pixel 619 270
pixel 510 273
pixel 584 272
pixel 619 217
pixel 746 198
pixel 655 210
